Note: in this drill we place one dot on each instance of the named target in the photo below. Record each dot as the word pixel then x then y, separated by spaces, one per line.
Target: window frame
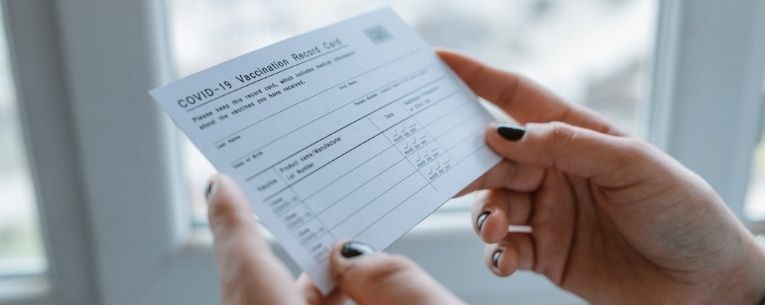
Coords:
pixel 114 239
pixel 733 73
pixel 48 135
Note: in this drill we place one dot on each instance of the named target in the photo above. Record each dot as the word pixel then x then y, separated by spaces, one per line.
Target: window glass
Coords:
pixel 754 207
pixel 20 243
pixel 591 52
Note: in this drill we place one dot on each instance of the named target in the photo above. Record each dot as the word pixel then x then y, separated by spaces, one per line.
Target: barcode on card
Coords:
pixel 378 34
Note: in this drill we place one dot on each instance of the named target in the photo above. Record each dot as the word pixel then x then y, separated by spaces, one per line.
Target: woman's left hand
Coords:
pixel 250 274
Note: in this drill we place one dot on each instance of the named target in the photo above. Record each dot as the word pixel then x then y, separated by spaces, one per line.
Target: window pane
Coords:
pixel 754 208
pixel 20 242
pixel 592 52
pixel 755 199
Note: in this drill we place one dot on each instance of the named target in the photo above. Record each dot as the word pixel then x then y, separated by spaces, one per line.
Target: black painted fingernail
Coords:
pixel 354 248
pixel 495 257
pixel 511 132
pixel 209 190
pixel 481 219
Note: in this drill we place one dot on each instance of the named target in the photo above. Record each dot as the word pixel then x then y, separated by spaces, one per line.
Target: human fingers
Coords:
pixel 495 210
pixel 249 273
pixel 514 252
pixel 546 248
pixel 520 97
pixel 371 278
pixel 609 161
pixel 507 174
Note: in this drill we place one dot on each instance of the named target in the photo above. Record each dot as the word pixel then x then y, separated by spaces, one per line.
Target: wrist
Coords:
pixel 757 270
pixel 742 279
pixel 760 268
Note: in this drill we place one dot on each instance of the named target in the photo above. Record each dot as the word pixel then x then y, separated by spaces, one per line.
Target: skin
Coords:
pixel 250 274
pixel 615 221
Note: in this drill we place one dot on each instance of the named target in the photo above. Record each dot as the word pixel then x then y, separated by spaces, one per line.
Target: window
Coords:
pixel 755 204
pixel 20 243
pixel 593 52
pixel 755 197
pixel 116 219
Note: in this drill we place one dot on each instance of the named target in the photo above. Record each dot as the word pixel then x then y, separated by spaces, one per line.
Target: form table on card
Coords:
pixel 356 131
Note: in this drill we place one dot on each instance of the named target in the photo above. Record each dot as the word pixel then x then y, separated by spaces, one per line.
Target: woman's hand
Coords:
pixel 250 274
pixel 614 220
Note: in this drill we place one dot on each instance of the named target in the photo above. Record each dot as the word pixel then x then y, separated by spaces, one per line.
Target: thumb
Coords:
pixel 377 278
pixel 607 160
pixel 249 272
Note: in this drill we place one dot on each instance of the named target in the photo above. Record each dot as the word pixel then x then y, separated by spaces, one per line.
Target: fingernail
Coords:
pixel 511 132
pixel 481 219
pixel 495 257
pixel 209 190
pixel 353 248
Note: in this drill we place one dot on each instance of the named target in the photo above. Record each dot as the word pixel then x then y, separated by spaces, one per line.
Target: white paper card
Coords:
pixel 356 131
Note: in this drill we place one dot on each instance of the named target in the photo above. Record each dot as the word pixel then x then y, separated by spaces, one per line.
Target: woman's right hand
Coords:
pixel 614 220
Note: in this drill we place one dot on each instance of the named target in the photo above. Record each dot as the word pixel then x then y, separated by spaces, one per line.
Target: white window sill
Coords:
pixel 24 289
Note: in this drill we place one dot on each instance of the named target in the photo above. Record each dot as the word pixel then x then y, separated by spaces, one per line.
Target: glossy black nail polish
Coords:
pixel 353 249
pixel 481 219
pixel 511 132
pixel 495 257
pixel 208 190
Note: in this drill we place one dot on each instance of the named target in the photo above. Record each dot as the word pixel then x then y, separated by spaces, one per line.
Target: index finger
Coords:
pixel 520 97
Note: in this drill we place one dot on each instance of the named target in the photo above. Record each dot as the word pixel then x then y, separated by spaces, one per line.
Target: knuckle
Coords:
pixel 560 133
pixel 558 136
pixel 637 147
pixel 398 263
pixel 394 264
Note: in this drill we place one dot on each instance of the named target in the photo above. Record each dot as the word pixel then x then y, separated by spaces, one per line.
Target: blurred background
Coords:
pixel 591 52
pixel 598 53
